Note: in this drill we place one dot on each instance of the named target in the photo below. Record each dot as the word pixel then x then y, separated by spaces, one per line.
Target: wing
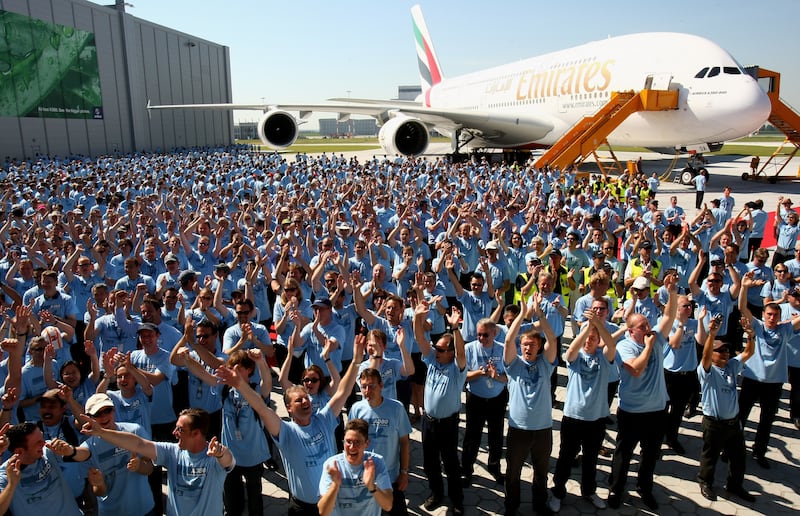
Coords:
pixel 498 128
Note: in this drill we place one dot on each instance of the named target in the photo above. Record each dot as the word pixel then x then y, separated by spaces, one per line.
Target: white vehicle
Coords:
pixel 533 102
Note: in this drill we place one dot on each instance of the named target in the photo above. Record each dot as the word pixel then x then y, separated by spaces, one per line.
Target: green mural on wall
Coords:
pixel 47 70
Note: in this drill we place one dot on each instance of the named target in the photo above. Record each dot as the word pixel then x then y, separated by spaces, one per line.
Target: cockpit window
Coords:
pixel 714 72
pixel 701 73
pixel 731 70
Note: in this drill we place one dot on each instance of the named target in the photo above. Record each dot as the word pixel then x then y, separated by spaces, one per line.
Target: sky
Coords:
pixel 307 51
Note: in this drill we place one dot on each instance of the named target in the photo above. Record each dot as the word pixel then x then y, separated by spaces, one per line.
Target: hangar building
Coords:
pixel 75 79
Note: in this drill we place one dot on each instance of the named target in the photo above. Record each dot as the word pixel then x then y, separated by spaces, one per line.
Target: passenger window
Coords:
pixel 701 73
pixel 714 72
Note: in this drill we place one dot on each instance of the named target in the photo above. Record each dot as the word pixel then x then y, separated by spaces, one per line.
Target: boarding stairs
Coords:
pixel 591 132
pixel 786 120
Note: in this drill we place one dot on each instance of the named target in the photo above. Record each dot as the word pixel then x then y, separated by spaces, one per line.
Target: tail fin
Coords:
pixel 430 74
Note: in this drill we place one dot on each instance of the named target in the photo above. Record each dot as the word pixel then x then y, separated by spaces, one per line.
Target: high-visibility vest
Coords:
pixel 611 293
pixel 637 269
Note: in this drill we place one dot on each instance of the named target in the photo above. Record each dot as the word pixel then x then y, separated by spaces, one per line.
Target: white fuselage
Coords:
pixel 562 87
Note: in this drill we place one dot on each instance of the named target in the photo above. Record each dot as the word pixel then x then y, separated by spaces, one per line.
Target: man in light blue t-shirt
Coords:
pixel 722 432
pixel 306 441
pixel 196 468
pixel 764 375
pixel 530 408
pixel 641 416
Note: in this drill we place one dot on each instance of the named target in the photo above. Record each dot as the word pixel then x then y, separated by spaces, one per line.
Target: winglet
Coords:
pixel 430 73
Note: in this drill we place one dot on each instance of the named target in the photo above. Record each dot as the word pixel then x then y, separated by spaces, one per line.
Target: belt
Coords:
pixel 680 373
pixel 723 421
pixel 436 419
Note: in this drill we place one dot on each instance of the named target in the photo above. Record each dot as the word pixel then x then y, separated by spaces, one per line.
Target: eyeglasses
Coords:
pixel 476 285
pixel 104 412
pixel 599 308
pixel 242 313
pixel 780 270
pixel 354 442
pixel 608 249
pixel 202 336
pixel 442 350
pixel 687 305
pixel 203 243
pixel 310 379
pixel 480 334
pixel 290 289
pixel 179 429
pixel 722 350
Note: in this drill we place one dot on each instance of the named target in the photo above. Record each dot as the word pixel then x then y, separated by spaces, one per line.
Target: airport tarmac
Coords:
pixel 777 490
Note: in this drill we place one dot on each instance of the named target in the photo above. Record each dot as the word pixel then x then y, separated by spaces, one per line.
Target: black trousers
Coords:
pixel 794 392
pixel 680 388
pixel 440 442
pixel 645 429
pixel 577 434
pixel 520 444
pixel 241 479
pixel 767 395
pixel 722 435
pixel 492 413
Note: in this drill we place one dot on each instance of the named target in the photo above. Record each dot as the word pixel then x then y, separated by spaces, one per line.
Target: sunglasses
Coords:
pixel 310 380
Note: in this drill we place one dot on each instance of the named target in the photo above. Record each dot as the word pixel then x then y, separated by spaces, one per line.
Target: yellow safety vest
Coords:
pixel 637 269
pixel 611 293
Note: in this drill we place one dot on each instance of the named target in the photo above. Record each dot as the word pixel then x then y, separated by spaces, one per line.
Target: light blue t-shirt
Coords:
pixel 787 312
pixel 127 492
pixel 720 305
pixel 388 423
pixel 587 386
pixel 353 496
pixel 648 392
pixel 479 357
pixel 303 450
pixel 390 372
pixel 718 389
pixel 529 404
pixel 194 480
pixel 242 430
pixel 684 358
pixel 770 361
pixel 135 409
pixel 42 489
pixel 443 387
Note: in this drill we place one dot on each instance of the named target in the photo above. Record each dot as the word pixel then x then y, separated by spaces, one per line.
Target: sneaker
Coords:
pixel 432 502
pixel 553 503
pixel 596 501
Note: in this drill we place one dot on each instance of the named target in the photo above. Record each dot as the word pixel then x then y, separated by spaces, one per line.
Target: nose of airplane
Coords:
pixel 759 105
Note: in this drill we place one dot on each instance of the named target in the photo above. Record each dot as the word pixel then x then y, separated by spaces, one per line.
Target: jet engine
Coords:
pixel 277 129
pixel 403 135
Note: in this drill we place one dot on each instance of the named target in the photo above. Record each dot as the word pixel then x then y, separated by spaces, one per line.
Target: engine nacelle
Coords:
pixel 277 129
pixel 404 135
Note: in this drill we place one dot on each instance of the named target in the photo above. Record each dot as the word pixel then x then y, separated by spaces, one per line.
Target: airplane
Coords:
pixel 531 103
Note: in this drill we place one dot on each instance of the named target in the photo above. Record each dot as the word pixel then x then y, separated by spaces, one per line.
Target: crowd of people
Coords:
pixel 153 303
